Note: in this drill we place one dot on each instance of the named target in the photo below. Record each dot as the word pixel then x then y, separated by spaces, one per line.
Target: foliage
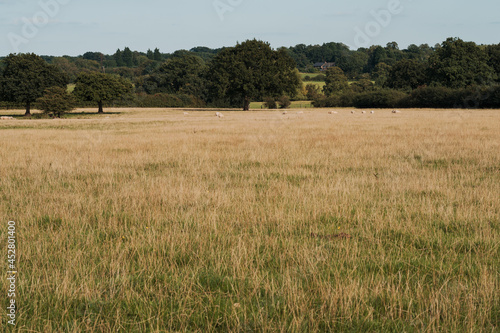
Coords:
pixel 180 74
pixel 380 74
pixel 99 87
pixel 25 78
pixel 270 103
pixel 335 81
pixel 406 74
pixel 458 64
pixel 249 71
pixel 362 85
pixel 284 102
pixel 312 92
pixel 56 100
pixel 382 98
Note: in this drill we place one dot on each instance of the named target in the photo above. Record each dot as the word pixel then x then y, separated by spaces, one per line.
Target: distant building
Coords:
pixel 323 66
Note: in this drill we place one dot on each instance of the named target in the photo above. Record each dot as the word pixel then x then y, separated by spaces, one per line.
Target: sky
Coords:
pixel 73 27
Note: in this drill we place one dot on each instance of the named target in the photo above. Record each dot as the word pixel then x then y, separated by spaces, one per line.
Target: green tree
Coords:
pixel 250 71
pixel 99 87
pixel 182 73
pixel 56 100
pixel 312 91
pixel 458 64
pixel 26 76
pixel 118 56
pixel 362 86
pixel 493 52
pixel 128 57
pixel 335 81
pixel 381 73
pixel 157 55
pixel 406 74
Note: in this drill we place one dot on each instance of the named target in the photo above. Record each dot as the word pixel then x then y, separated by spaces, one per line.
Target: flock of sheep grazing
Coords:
pixel 220 115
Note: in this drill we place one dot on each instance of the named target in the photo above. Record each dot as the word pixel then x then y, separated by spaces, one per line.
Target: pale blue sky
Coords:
pixel 72 27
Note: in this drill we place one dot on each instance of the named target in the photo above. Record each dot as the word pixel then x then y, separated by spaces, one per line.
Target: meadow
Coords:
pixel 149 220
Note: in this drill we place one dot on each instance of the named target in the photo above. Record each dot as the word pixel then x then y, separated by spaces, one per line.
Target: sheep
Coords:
pixel 396 111
pixel 300 112
pixel 185 113
pixel 372 112
pixel 6 118
pixel 332 112
pixel 217 114
pixel 284 112
pixel 352 111
pixel 363 112
pixel 220 115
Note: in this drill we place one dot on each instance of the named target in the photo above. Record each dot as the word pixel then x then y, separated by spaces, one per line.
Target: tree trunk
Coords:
pixel 246 104
pixel 28 110
pixel 100 107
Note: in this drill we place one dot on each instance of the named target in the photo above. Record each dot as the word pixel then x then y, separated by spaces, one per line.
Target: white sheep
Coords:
pixel 6 118
pixel 185 113
pixel 372 112
pixel 332 112
pixel 220 115
pixel 284 112
pixel 396 111
pixel 217 114
pixel 352 111
pixel 300 112
pixel 363 112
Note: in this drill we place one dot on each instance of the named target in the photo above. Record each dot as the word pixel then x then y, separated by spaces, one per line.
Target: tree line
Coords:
pixel 454 73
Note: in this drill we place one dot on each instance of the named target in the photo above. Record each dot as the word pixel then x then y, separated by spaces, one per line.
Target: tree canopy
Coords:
pixel 458 64
pixel 250 71
pixel 25 78
pixel 335 81
pixel 56 100
pixel 99 87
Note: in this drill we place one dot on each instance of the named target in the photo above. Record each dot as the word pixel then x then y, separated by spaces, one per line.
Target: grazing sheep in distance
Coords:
pixel 332 112
pixel 220 115
pixel 284 112
pixel 300 112
pixel 396 111
pixel 352 111
pixel 185 113
pixel 372 112
pixel 217 114
pixel 363 112
pixel 6 118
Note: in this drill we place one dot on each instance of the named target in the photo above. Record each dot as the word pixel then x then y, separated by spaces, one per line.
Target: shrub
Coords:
pixel 270 103
pixel 383 98
pixel 284 102
pixel 56 101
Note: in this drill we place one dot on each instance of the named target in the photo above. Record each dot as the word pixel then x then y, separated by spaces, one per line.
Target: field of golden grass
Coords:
pixel 149 220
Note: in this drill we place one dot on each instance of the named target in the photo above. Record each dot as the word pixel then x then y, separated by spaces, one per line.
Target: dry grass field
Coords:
pixel 155 221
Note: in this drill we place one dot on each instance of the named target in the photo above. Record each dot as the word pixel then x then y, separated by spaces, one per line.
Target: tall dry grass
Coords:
pixel 151 220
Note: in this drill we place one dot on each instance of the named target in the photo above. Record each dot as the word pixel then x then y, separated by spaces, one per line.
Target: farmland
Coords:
pixel 152 220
